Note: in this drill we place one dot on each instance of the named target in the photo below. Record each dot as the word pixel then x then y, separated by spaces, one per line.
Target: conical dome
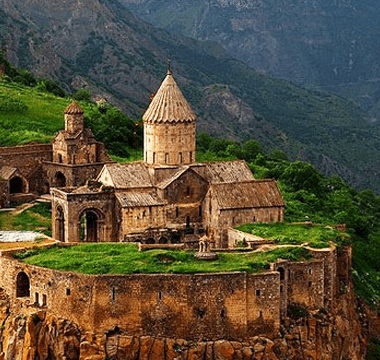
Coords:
pixel 73 108
pixel 169 104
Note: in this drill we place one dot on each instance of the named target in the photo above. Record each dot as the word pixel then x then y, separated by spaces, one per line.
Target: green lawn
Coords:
pixel 317 236
pixel 116 258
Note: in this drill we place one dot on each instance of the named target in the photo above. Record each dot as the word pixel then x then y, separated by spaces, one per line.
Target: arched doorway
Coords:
pixel 16 185
pixel 22 285
pixel 60 179
pixel 89 226
pixel 60 224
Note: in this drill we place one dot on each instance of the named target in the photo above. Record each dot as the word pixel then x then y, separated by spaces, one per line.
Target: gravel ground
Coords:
pixel 18 236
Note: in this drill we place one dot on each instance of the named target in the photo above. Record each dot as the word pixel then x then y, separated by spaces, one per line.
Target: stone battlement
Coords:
pixel 213 306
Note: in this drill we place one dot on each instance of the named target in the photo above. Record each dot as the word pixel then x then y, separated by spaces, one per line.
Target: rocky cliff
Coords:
pixel 331 45
pixel 336 334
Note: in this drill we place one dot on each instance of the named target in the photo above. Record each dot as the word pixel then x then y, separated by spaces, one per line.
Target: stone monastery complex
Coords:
pixel 167 198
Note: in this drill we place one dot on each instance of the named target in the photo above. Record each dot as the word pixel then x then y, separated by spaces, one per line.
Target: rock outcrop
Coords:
pixel 336 334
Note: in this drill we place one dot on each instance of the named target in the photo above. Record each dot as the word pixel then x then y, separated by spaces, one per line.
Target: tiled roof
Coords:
pixel 132 199
pixel 169 105
pixel 248 194
pixel 73 108
pixel 224 171
pixel 170 179
pixel 133 175
pixel 6 172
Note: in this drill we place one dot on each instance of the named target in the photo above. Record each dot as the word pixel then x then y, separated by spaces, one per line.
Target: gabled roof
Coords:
pixel 224 171
pixel 248 194
pixel 175 176
pixel 85 133
pixel 133 175
pixel 169 104
pixel 73 108
pixel 6 172
pixel 137 199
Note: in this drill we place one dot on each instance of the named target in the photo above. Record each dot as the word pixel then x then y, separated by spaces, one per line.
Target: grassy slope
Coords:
pixel 32 116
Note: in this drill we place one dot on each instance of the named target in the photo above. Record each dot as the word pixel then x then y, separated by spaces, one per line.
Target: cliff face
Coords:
pixel 31 336
pixel 315 43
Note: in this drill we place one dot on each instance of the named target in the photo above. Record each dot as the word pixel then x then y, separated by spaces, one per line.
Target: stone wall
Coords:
pixel 222 219
pixel 210 306
pixel 92 211
pixel 169 143
pixel 237 238
pixel 74 175
pixel 28 160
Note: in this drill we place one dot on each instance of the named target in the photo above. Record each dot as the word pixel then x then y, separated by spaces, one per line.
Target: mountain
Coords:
pixel 102 45
pixel 328 45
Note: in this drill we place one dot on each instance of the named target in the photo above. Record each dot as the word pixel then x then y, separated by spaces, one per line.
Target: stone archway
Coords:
pixel 16 185
pixel 60 179
pixel 90 225
pixel 60 224
pixel 22 285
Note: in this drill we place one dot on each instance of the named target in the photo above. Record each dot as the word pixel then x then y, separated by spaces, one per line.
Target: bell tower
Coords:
pixel 74 118
pixel 169 127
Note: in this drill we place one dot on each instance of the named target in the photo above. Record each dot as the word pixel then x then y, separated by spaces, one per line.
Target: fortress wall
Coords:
pixel 306 283
pixel 263 304
pixel 212 306
pixel 329 257
pixel 185 306
pixel 28 160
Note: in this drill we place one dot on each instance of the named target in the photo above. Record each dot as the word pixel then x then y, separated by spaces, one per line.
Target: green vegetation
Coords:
pixel 37 218
pixel 31 110
pixel 126 259
pixel 315 236
pixel 310 196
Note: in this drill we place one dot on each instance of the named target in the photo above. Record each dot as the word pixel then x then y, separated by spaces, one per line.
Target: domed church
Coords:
pixel 168 197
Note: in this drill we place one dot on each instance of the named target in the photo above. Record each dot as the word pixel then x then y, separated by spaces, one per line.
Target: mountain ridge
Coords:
pixel 101 45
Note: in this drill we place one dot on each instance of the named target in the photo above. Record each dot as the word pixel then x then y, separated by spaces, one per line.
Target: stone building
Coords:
pixel 72 158
pixel 168 197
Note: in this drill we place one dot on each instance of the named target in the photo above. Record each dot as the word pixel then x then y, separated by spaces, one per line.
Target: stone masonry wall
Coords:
pixel 210 306
pixel 28 160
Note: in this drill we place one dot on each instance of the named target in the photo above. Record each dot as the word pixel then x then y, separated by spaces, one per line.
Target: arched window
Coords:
pixel 60 179
pixel 22 285
pixel 16 185
pixel 166 158
pixel 282 273
pixel 180 157
pixel 60 224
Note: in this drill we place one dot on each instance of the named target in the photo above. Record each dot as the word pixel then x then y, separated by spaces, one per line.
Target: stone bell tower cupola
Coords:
pixel 169 127
pixel 74 118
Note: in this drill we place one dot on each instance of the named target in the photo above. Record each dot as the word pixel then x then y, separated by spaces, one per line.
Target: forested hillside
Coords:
pixel 100 45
